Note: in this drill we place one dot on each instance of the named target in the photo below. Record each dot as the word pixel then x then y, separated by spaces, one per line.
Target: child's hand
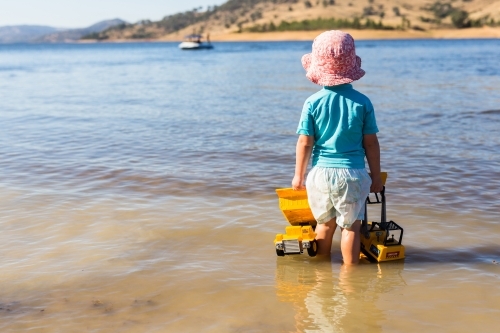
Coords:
pixel 298 183
pixel 377 185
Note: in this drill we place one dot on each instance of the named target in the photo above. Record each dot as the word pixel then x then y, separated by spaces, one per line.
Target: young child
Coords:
pixel 338 128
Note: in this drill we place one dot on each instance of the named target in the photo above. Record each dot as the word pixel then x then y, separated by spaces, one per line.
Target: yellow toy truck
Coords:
pixel 300 234
pixel 377 238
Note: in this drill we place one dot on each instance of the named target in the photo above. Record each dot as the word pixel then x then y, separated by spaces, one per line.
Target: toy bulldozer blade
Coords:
pixel 377 238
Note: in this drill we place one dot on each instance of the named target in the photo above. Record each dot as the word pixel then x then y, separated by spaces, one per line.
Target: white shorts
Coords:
pixel 340 193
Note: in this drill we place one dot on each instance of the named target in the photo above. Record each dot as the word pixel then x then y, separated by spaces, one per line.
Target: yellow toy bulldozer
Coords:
pixel 377 238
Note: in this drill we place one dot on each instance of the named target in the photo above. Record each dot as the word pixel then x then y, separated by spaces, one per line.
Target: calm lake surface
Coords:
pixel 137 190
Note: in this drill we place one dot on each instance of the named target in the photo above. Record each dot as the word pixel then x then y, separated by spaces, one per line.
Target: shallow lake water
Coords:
pixel 137 190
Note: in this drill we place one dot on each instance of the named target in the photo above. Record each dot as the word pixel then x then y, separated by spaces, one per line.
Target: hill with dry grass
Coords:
pixel 268 16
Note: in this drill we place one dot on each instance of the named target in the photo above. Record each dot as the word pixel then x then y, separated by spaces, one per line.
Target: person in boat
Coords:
pixel 338 129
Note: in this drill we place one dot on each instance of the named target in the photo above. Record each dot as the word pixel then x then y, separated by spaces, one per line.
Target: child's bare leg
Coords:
pixel 324 236
pixel 350 243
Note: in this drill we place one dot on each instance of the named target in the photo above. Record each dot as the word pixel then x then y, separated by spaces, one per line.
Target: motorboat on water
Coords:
pixel 194 42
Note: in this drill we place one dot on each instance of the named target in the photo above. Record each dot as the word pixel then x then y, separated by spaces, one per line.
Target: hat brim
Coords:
pixel 318 75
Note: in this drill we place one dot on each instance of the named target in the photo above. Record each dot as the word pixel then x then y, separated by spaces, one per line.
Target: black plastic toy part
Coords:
pixel 312 250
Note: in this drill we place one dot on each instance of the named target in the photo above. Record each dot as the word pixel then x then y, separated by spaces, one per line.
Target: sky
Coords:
pixel 83 13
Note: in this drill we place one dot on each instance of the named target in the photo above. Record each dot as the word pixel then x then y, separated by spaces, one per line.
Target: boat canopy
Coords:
pixel 193 36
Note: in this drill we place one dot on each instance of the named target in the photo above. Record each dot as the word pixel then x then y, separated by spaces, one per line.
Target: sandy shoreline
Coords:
pixel 471 33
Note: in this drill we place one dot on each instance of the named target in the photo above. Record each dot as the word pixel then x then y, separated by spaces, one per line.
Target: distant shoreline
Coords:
pixel 469 33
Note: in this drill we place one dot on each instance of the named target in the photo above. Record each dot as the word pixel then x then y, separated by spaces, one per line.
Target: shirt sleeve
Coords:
pixel 306 123
pixel 370 123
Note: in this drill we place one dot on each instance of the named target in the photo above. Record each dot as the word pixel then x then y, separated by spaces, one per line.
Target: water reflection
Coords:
pixel 328 298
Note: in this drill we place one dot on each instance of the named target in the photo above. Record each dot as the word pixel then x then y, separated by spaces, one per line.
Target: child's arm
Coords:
pixel 372 151
pixel 303 151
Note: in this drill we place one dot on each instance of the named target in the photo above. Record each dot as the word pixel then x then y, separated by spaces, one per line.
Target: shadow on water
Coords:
pixel 480 113
pixel 471 255
pixel 491 112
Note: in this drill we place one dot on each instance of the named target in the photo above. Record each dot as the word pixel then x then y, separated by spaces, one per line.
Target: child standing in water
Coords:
pixel 338 128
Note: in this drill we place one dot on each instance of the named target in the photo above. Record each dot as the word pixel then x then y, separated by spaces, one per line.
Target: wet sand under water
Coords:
pixel 209 265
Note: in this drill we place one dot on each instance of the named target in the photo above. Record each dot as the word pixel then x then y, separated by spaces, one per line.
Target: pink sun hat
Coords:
pixel 333 59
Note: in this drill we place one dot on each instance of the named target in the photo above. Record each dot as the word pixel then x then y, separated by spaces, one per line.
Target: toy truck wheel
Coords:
pixel 280 253
pixel 312 250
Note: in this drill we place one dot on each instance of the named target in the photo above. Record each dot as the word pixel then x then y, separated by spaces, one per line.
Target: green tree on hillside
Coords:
pixel 459 18
pixel 319 24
